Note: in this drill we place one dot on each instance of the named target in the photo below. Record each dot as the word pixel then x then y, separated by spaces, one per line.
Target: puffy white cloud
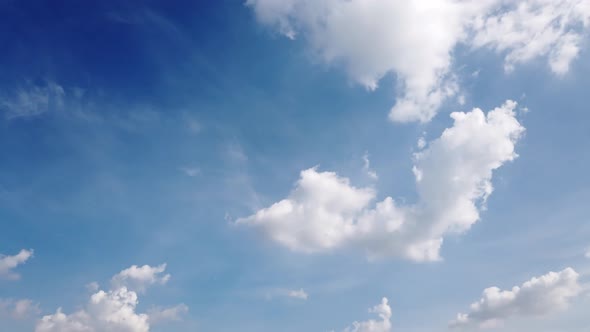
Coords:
pixel 318 215
pixel 60 322
pixel 7 263
pixel 114 310
pixel 383 310
pixel 18 309
pixel 33 100
pixel 139 277
pixel 416 39
pixel 372 38
pixel 453 175
pixel 539 296
pixel 106 311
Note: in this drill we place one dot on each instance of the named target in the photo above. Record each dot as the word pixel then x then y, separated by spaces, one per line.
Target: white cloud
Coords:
pixel 113 310
pixel 535 28
pixel 373 38
pixel 367 167
pixel 453 175
pixel 139 277
pixel 106 311
pixel 174 313
pixel 18 309
pixel 298 294
pixel 421 144
pixel 383 310
pixel 318 215
pixel 416 39
pixel 92 286
pixel 537 297
pixel 33 101
pixel 7 263
pixel 587 253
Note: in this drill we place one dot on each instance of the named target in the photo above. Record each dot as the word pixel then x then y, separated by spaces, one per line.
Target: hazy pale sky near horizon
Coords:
pixel 294 165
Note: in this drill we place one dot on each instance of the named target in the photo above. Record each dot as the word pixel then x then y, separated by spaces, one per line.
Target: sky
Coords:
pixel 294 165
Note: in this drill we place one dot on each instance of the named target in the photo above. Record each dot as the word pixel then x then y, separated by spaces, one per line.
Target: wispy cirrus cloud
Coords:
pixel 33 100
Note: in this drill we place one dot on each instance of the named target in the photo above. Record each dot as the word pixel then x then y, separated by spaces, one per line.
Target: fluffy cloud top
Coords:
pixel 113 310
pixel 7 263
pixel 139 277
pixel 383 310
pixel 453 175
pixel 537 297
pixel 415 39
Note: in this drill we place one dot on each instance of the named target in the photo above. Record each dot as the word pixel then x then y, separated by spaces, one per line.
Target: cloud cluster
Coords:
pixel 416 39
pixel 115 310
pixel 383 310
pixel 453 175
pixel 8 263
pixel 539 296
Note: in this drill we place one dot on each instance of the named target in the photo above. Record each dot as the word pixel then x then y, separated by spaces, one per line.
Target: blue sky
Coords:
pixel 148 133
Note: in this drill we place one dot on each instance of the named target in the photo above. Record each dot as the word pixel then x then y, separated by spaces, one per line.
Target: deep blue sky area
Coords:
pixel 142 132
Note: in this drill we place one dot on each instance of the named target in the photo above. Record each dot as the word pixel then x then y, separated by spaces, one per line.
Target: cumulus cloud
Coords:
pixel 114 310
pixel 8 263
pixel 18 309
pixel 538 297
pixel 106 311
pixel 416 39
pixel 324 212
pixel 138 278
pixel 383 310
pixel 33 101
